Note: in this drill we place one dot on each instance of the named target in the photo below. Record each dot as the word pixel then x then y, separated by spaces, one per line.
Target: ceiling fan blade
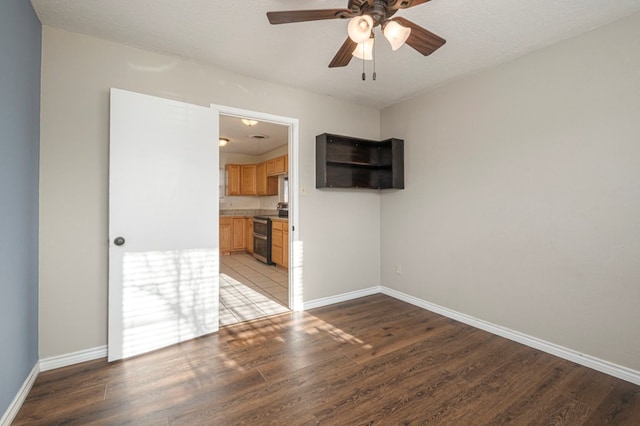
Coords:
pixel 406 4
pixel 420 39
pixel 344 55
pixel 288 16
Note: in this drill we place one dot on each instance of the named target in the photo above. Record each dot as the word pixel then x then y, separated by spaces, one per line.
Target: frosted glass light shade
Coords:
pixel 223 141
pixel 359 28
pixel 248 122
pixel 364 50
pixel 396 34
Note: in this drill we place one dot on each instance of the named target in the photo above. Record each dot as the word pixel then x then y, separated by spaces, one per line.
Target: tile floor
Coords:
pixel 249 289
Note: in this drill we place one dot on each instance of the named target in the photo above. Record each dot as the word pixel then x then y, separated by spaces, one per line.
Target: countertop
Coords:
pixel 247 214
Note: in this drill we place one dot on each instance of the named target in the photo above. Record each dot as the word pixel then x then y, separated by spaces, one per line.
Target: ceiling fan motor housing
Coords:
pixel 379 12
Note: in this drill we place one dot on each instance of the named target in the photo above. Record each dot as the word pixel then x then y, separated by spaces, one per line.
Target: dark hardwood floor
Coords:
pixel 374 360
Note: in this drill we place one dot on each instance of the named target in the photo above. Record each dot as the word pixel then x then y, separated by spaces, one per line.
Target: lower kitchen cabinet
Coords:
pixel 236 234
pixel 280 243
pixel 285 245
pixel 249 235
pixel 239 240
pixel 226 235
pixel 276 242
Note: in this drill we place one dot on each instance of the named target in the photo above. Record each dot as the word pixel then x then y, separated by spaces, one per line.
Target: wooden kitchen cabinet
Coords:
pixel 248 179
pixel 278 166
pixel 265 185
pixel 280 243
pixel 241 179
pixel 261 178
pixel 249 235
pixel 281 165
pixel 239 239
pixel 226 235
pixel 256 179
pixel 276 242
pixel 271 167
pixel 285 245
pixel 233 179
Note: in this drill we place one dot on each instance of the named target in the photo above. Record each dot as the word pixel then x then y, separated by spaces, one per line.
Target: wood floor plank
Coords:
pixel 620 407
pixel 373 360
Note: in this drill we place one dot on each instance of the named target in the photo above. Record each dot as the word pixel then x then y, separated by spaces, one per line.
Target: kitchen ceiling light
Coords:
pixel 248 122
pixel 364 50
pixel 359 28
pixel 396 34
pixel 223 141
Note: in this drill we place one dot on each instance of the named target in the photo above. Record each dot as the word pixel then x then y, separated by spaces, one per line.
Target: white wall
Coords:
pixel 522 200
pixel 339 231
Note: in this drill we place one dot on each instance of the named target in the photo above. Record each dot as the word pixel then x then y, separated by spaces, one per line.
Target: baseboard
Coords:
pixel 53 362
pixel 603 366
pixel 317 303
pixel 16 404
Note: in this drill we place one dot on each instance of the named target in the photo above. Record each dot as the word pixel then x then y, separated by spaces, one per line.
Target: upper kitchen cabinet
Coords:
pixel 346 162
pixel 253 179
pixel 233 179
pixel 241 179
pixel 278 166
pixel 248 181
pixel 265 185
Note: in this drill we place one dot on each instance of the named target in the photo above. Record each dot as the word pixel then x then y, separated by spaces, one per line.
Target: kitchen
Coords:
pixel 254 225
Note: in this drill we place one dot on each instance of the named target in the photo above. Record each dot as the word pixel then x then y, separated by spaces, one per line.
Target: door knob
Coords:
pixel 119 241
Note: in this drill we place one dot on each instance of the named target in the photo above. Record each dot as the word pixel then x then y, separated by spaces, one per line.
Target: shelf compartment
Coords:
pixel 347 162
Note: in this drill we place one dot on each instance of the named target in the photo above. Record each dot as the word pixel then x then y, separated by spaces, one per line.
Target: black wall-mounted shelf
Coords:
pixel 346 162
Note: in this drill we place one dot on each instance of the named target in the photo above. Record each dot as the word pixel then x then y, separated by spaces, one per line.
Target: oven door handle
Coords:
pixel 262 221
pixel 260 236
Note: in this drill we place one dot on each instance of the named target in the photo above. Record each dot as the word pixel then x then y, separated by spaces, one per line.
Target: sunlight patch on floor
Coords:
pixel 240 303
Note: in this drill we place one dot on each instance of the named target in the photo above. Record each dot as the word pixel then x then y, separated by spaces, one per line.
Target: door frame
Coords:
pixel 295 251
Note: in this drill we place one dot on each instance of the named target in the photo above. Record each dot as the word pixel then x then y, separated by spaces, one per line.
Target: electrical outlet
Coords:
pixel 303 190
pixel 398 269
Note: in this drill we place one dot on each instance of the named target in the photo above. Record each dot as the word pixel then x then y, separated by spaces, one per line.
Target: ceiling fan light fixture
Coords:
pixel 359 28
pixel 248 122
pixel 364 50
pixel 223 141
pixel 396 34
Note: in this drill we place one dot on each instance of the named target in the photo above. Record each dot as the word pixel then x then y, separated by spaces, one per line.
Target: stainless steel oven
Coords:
pixel 262 239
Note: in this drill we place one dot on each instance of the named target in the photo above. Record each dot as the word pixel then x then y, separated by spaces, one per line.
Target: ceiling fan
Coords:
pixel 365 15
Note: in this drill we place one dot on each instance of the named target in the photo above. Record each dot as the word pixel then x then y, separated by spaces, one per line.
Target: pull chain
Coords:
pixel 363 74
pixel 373 53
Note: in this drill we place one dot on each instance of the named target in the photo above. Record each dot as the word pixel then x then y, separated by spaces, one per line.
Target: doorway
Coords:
pixel 258 177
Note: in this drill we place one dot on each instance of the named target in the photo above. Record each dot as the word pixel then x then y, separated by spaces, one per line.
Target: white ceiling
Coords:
pixel 241 140
pixel 235 35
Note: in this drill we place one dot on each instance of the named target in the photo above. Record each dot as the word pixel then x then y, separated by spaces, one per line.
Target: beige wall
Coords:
pixel 338 230
pixel 522 204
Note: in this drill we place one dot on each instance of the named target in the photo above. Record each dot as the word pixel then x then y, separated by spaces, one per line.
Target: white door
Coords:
pixel 163 204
